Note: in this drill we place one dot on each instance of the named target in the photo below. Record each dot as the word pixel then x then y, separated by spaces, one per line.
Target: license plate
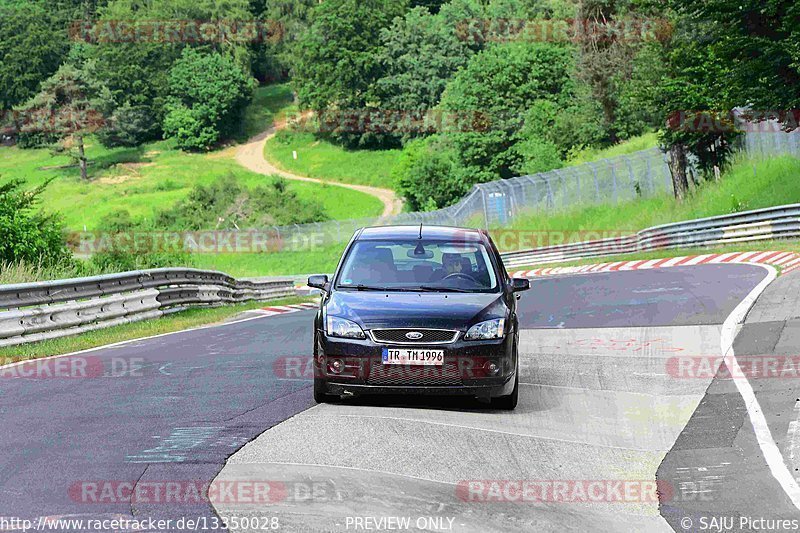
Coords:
pixel 413 356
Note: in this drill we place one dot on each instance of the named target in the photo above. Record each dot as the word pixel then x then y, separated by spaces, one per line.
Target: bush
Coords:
pixel 29 235
pixel 428 175
pixel 129 126
pixel 125 255
pixel 225 204
pixel 208 94
pixel 536 155
pixel 499 84
pixel 36 139
pixel 189 129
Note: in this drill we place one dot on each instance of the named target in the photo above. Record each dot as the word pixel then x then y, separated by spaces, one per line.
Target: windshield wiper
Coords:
pixel 429 288
pixel 362 287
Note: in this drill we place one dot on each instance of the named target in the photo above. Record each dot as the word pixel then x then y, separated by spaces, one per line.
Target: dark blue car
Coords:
pixel 418 310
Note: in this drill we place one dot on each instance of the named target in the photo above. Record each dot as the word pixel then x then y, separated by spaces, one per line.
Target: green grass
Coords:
pixel 788 245
pixel 321 159
pixel 635 144
pixel 318 158
pixel 137 330
pixel 750 184
pixel 153 177
pixel 316 261
pixel 269 103
pixel 149 179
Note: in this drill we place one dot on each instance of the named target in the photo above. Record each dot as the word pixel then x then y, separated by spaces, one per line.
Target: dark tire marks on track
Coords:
pixel 205 393
pixel 717 457
pixel 201 395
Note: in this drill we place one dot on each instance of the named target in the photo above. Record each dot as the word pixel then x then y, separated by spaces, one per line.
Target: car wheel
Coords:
pixel 509 402
pixel 320 396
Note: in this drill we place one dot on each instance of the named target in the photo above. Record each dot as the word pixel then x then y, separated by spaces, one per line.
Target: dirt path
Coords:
pixel 251 156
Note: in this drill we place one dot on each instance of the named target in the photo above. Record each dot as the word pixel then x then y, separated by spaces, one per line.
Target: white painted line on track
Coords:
pixel 793 436
pixel 772 454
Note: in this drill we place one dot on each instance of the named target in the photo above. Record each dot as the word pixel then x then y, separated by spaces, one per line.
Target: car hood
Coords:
pixel 416 310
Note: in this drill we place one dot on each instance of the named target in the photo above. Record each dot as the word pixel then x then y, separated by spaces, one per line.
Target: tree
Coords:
pixel 418 56
pixel 208 93
pixel 428 174
pixel 757 40
pixel 29 235
pixel 493 94
pixel 684 84
pixel 31 50
pixel 135 51
pixel 337 59
pixel 287 20
pixel 69 106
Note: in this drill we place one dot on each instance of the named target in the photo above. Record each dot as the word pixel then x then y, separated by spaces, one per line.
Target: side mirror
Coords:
pixel 520 284
pixel 318 282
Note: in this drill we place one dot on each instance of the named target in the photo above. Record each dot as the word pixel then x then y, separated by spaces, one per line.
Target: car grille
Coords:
pixel 429 336
pixel 446 374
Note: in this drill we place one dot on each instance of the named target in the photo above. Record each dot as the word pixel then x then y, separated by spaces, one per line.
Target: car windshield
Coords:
pixel 418 265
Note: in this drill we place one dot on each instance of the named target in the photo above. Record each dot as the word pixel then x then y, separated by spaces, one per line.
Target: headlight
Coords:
pixel 491 329
pixel 339 327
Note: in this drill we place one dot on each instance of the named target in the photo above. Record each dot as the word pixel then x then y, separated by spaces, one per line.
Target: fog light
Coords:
pixel 336 366
pixel 492 368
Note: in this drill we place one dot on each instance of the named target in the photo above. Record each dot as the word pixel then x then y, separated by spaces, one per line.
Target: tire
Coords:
pixel 509 402
pixel 320 396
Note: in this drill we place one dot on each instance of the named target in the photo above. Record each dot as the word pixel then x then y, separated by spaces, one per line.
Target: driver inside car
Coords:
pixel 452 264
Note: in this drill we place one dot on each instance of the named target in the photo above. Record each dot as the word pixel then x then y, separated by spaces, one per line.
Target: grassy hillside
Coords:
pixel 750 184
pixel 151 178
pixel 270 103
pixel 155 176
pixel 324 160
pixel 635 144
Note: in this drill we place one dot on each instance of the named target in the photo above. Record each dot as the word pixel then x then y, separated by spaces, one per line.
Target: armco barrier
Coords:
pixel 45 310
pixel 781 222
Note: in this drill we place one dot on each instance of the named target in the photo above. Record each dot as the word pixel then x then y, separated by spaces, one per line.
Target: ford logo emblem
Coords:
pixel 413 335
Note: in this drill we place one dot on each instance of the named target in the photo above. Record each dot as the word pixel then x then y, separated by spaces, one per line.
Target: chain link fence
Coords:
pixel 495 204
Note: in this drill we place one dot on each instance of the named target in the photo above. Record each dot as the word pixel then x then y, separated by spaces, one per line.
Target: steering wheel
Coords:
pixel 459 275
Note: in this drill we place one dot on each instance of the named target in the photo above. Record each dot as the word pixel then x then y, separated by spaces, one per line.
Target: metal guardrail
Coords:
pixel 779 222
pixel 45 310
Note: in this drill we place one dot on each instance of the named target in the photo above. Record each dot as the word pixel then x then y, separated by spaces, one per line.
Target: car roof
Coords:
pixel 428 233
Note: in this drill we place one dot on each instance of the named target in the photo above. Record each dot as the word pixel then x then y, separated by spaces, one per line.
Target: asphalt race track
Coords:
pixel 176 407
pixel 598 401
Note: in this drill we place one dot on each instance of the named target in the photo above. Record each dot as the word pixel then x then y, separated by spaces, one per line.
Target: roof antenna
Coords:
pixel 420 231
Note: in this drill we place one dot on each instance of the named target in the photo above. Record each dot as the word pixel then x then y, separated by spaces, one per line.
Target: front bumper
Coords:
pixel 462 374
